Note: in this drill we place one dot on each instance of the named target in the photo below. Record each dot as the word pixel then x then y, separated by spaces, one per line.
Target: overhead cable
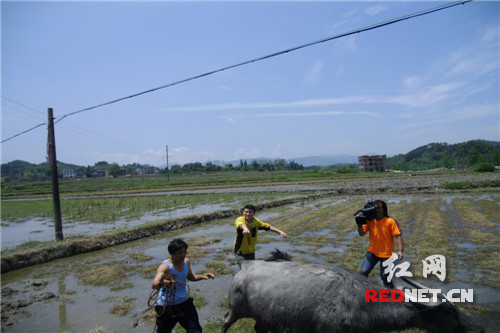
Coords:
pixel 371 27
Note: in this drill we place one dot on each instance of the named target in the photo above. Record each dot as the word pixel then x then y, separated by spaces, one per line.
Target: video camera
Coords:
pixel 366 213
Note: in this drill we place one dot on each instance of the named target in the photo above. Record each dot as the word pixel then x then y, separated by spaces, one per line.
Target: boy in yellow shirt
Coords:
pixel 247 229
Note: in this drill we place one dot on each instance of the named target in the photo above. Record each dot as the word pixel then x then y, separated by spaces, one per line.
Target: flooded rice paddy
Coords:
pixel 27 221
pixel 62 296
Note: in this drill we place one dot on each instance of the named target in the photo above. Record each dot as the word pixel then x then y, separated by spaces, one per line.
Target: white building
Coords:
pixel 69 173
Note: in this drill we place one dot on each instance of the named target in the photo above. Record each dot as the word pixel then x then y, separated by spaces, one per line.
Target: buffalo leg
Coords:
pixel 229 319
pixel 259 328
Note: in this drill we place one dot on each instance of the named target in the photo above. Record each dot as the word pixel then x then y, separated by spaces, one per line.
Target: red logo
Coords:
pixel 384 295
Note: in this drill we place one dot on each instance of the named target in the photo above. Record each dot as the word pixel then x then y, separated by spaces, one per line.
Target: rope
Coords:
pixel 167 285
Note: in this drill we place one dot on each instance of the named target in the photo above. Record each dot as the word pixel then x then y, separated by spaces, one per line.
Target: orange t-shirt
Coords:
pixel 382 234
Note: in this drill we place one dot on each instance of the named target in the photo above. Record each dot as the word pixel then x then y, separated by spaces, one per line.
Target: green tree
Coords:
pixel 192 167
pixel 176 169
pixel 211 167
pixel 496 157
pixel 114 169
pixel 88 171
pixel 446 162
pixel 474 156
pixel 295 166
pixel 228 167
pixel 101 165
pixel 255 165
pixel 280 164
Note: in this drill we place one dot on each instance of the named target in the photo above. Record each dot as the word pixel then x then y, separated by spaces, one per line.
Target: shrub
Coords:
pixel 485 167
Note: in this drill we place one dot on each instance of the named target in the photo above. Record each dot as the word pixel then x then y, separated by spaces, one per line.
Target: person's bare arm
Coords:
pixel 245 229
pixel 162 276
pixel 399 240
pixel 197 277
pixel 361 231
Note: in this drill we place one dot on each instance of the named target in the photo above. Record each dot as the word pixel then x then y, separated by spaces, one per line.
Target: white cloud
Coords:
pixel 276 152
pixel 314 75
pixel 472 60
pixel 374 10
pixel 150 156
pixel 473 111
pixel 245 153
pixel 427 95
pixel 315 113
pixel 231 118
pixel 269 105
pixel 448 82
pixel 412 82
pixel 449 117
pixel 183 155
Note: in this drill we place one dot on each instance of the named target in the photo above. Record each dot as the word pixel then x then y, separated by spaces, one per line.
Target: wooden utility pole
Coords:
pixel 51 147
pixel 168 171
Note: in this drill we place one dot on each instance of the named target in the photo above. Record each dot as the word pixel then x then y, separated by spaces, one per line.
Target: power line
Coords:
pixel 24 112
pixel 371 27
pixel 23 105
pixel 23 132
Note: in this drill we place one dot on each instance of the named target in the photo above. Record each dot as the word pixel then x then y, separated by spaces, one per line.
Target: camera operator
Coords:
pixel 382 229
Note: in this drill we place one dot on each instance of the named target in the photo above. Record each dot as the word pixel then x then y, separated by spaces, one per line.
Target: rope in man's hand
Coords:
pixel 168 285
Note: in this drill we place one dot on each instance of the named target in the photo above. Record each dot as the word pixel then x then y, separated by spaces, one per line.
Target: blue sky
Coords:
pixel 433 78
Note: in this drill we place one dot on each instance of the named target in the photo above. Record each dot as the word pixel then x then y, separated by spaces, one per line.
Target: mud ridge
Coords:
pixel 68 248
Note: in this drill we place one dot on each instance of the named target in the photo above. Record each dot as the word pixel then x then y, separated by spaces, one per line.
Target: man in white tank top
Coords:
pixel 174 304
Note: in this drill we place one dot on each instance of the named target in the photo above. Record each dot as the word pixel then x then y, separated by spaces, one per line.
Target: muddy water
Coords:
pixel 80 308
pixel 42 229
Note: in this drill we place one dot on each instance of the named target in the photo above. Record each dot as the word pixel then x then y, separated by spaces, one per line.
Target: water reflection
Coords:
pixel 61 290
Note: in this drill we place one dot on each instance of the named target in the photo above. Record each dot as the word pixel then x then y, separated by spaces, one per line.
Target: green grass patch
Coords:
pixel 101 275
pixel 140 257
pixel 243 325
pixel 217 267
pixel 198 300
pixel 122 309
pixel 148 272
pixel 469 185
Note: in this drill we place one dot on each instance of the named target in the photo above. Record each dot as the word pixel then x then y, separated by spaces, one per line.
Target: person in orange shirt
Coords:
pixel 382 231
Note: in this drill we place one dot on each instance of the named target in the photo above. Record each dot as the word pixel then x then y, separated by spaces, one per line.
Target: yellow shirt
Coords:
pixel 382 234
pixel 246 243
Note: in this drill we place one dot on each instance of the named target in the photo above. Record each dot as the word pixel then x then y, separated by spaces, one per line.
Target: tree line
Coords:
pixel 24 171
pixel 254 165
pixel 480 155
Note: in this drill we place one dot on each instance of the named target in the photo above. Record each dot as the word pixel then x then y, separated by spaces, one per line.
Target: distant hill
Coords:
pixel 326 160
pixel 443 155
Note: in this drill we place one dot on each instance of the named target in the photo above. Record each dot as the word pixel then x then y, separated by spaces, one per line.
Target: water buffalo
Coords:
pixel 307 298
